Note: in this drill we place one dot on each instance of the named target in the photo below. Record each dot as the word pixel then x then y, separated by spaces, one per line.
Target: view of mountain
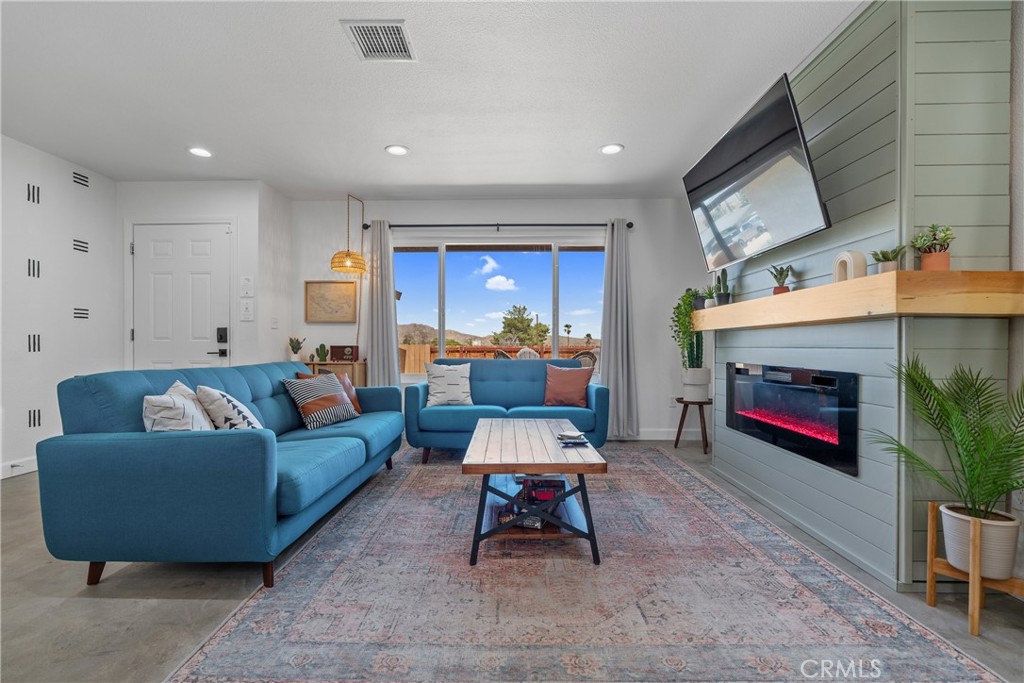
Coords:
pixel 418 333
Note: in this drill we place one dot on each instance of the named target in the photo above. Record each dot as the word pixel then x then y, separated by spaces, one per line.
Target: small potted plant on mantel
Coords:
pixel 295 344
pixel 696 377
pixel 722 293
pixel 888 260
pixel 780 274
pixel 982 431
pixel 933 245
pixel 709 296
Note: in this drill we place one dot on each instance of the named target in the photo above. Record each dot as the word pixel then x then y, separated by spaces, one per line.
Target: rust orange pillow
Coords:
pixel 346 384
pixel 567 386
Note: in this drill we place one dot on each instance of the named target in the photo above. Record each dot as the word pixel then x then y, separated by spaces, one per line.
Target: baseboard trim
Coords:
pixel 15 468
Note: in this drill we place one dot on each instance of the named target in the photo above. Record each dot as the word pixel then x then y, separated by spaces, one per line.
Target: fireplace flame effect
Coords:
pixel 826 433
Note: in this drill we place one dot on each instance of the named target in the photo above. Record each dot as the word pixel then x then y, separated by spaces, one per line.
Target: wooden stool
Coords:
pixel 703 426
pixel 976 585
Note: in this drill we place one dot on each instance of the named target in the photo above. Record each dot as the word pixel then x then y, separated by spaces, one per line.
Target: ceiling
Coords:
pixel 504 100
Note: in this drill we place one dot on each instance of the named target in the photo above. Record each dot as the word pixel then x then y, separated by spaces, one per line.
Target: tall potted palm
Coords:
pixel 696 377
pixel 982 433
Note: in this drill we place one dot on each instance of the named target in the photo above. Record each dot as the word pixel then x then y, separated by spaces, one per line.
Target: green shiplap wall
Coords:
pixel 848 99
pixel 958 173
pixel 907 118
pixel 959 94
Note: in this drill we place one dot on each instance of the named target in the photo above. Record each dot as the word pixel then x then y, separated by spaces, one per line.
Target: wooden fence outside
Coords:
pixel 414 356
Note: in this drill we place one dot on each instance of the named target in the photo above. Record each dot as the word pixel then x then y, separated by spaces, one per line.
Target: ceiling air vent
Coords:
pixel 379 41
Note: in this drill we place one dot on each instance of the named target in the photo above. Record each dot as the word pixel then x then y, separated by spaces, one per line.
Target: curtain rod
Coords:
pixel 498 226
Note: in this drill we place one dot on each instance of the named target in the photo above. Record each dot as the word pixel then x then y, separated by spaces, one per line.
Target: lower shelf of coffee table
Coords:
pixel 569 510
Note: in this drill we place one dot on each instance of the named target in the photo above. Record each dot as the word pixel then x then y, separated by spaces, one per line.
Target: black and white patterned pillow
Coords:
pixel 321 400
pixel 448 385
pixel 177 410
pixel 225 410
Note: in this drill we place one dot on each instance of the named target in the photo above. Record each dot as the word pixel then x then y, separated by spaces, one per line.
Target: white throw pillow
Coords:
pixel 177 410
pixel 448 385
pixel 225 410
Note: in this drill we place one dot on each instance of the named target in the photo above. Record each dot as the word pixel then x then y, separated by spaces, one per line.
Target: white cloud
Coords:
pixel 582 311
pixel 489 266
pixel 494 315
pixel 470 324
pixel 501 283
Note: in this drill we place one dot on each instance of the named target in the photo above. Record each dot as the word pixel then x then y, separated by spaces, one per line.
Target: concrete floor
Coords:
pixel 142 621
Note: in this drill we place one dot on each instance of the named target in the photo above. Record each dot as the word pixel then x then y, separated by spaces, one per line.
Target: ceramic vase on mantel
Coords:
pixel 295 358
pixel 695 384
pixel 888 266
pixel 998 541
pixel 935 260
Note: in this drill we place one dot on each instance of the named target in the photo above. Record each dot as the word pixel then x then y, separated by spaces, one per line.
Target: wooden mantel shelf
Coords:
pixel 957 293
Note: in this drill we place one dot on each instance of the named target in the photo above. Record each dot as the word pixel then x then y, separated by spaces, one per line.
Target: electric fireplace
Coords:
pixel 812 413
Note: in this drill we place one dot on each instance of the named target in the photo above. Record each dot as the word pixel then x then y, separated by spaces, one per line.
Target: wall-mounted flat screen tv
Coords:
pixel 755 189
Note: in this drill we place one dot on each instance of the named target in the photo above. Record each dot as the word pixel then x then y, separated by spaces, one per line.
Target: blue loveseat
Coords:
pixel 110 491
pixel 499 389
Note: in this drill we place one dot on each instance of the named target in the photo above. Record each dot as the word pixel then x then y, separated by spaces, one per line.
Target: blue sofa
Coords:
pixel 110 491
pixel 499 389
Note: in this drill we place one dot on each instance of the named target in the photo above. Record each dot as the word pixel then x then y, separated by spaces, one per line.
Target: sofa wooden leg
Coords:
pixel 388 463
pixel 95 572
pixel 268 574
pixel 426 455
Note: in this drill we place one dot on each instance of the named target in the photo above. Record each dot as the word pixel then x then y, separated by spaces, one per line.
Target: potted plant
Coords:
pixel 933 245
pixel 888 260
pixel 321 353
pixel 982 433
pixel 781 274
pixel 722 294
pixel 295 344
pixel 709 296
pixel 696 378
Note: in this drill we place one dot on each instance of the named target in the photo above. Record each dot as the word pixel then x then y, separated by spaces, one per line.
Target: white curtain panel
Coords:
pixel 618 352
pixel 382 356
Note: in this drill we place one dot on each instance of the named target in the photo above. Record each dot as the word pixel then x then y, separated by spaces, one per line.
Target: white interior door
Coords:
pixel 180 295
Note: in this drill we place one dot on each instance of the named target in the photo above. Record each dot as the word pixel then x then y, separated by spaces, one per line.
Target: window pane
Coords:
pixel 497 298
pixel 580 300
pixel 416 279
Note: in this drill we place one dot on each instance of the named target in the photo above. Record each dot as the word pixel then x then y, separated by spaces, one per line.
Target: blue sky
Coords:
pixel 482 285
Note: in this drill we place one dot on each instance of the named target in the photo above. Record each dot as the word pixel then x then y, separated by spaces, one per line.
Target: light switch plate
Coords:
pixel 247 287
pixel 246 310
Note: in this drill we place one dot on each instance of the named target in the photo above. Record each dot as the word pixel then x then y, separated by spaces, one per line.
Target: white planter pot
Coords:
pixel 998 541
pixel 695 383
pixel 295 358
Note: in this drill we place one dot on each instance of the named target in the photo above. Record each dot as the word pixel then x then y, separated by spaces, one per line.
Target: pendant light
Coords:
pixel 349 261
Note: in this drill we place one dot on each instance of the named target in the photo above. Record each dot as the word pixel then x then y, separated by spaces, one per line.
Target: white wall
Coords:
pixel 275 283
pixel 237 202
pixel 43 305
pixel 664 254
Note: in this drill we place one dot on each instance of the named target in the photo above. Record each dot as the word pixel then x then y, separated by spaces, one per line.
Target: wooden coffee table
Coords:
pixel 503 448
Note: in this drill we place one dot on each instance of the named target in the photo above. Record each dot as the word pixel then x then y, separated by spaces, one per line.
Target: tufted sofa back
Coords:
pixel 509 383
pixel 112 401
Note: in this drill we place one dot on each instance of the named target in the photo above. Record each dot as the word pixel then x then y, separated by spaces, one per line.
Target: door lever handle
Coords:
pixel 223 353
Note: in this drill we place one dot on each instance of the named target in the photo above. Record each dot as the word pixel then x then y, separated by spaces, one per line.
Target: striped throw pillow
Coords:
pixel 321 400
pixel 448 385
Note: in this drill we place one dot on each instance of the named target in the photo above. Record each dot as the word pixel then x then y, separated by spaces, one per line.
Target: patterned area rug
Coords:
pixel 693 586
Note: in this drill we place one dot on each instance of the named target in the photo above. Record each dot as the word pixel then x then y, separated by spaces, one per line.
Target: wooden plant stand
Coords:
pixel 975 582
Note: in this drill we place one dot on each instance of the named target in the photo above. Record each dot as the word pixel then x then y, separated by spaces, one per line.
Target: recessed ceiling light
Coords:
pixel 200 152
pixel 397 150
pixel 613 148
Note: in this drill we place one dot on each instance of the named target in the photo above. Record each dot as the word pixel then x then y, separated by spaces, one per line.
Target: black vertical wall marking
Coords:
pixel 35 343
pixel 80 245
pixel 34 268
pixel 35 417
pixel 80 313
pixel 33 193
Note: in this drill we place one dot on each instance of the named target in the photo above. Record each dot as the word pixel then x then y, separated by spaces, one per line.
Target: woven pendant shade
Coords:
pixel 349 261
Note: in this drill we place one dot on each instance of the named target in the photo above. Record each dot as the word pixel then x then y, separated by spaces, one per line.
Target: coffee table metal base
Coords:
pixel 540 510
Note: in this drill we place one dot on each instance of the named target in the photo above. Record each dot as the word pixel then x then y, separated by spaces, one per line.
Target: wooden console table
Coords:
pixel 975 582
pixel 355 369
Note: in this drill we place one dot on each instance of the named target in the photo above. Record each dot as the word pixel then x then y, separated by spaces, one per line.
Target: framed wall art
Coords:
pixel 331 301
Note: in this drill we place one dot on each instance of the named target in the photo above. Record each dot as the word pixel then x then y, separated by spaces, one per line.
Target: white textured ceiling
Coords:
pixel 506 99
